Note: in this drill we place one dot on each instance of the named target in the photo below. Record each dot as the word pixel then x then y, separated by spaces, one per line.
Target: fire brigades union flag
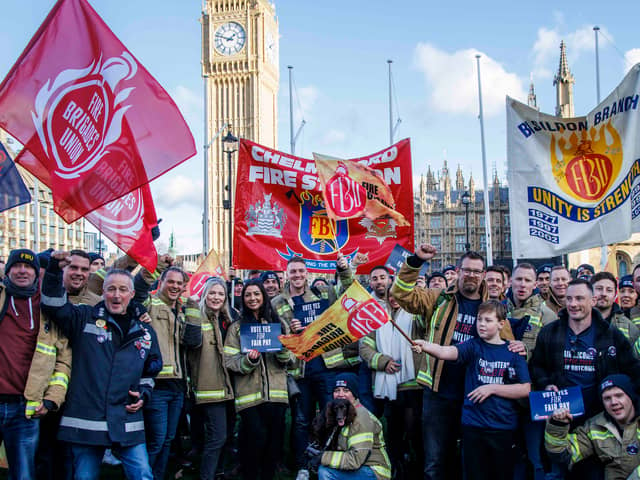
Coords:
pixel 573 182
pixel 94 123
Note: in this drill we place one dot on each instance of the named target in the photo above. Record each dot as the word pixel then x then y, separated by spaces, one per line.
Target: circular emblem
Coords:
pixel 592 352
pixel 143 352
pixel 101 323
pixel 147 336
pixel 364 317
pixel 101 338
pixel 125 215
pixel 585 164
pixel 632 449
pixel 345 196
pixel 611 351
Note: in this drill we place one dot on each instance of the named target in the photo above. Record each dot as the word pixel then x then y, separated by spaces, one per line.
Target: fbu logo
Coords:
pixel 346 197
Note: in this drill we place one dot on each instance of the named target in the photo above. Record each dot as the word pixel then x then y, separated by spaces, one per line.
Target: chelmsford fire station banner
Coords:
pixel 280 212
pixel 351 317
pixel 573 182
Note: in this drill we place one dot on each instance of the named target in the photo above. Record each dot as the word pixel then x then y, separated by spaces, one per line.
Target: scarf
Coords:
pixel 20 292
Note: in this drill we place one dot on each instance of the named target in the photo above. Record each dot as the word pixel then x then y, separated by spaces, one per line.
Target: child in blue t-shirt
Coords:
pixel 494 378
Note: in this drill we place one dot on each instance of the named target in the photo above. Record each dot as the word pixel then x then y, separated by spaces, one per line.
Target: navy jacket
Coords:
pixel 614 353
pixel 106 365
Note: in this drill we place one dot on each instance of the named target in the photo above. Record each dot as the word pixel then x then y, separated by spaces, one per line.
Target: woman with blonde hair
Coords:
pixel 211 381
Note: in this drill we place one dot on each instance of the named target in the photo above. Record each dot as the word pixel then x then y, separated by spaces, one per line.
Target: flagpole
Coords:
pixel 390 106
pixel 604 253
pixel 401 332
pixel 487 212
pixel 36 215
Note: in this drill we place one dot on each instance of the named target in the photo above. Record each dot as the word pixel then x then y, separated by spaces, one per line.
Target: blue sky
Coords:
pixel 339 50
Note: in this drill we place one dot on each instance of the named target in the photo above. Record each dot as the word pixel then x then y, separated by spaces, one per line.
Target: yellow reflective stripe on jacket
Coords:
pixel 360 438
pixel 576 456
pixel 278 394
pixel 206 327
pixel 157 301
pixel 368 341
pixel 244 399
pixel 333 360
pixel 554 440
pixel 375 359
pixel 45 349
pixel 101 273
pixel 59 378
pixel 535 321
pixel 30 408
pixel 600 435
pixel 192 312
pixel 425 377
pixel 636 347
pixel 406 286
pixel 336 459
pixel 209 394
pixel 166 370
pixel 384 472
pixel 229 350
pixel 625 331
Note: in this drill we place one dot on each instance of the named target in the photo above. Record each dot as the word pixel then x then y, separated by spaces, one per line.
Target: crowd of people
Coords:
pixel 101 361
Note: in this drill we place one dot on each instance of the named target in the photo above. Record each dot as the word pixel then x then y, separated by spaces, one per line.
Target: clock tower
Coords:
pixel 241 79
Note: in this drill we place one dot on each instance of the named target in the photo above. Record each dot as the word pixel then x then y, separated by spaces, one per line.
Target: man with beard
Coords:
pixel 271 283
pixel 450 318
pixel 558 282
pixel 543 275
pixel 604 291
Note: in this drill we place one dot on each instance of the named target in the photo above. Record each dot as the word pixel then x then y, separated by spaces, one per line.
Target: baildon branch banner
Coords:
pixel 573 182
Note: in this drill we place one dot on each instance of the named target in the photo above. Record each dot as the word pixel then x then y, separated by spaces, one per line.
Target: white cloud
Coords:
pixel 307 97
pixel 179 191
pixel 452 80
pixel 631 57
pixel 546 49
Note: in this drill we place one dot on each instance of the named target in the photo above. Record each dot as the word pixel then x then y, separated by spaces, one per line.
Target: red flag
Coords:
pixel 210 267
pixel 95 124
pixel 127 222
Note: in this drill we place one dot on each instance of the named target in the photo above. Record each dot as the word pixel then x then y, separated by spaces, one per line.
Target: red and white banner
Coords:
pixel 210 267
pixel 95 124
pixel 280 212
pixel 127 222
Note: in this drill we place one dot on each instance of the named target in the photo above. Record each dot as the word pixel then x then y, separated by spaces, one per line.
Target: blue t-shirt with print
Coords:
pixel 452 378
pixel 488 363
pixel 580 356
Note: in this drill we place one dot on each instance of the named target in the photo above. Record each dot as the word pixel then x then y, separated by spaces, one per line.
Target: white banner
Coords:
pixel 573 182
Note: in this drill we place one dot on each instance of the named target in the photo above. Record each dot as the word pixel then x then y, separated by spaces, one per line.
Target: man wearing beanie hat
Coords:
pixel 34 375
pixel 610 436
pixel 543 278
pixel 450 272
pixel 97 261
pixel 627 295
pixel 360 452
pixel 271 283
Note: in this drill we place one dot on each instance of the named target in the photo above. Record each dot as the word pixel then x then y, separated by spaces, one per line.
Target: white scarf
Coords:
pixel 390 342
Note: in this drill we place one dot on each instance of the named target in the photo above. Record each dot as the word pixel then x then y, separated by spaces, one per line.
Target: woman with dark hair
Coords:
pixel 211 381
pixel 260 386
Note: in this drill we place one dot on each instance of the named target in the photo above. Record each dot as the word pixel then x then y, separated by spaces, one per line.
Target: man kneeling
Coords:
pixel 610 436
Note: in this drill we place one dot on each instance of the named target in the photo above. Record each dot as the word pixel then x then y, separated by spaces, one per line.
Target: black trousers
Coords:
pixel 487 454
pixel 260 450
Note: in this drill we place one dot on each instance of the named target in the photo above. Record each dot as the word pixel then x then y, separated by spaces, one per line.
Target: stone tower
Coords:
pixel 563 81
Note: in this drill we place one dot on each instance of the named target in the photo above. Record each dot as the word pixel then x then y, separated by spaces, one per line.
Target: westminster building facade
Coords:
pixel 441 217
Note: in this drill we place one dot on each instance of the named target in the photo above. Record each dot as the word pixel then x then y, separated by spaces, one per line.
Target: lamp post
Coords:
pixel 466 200
pixel 229 143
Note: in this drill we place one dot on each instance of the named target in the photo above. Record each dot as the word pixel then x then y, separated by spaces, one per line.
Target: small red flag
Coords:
pixel 95 124
pixel 127 222
pixel 210 267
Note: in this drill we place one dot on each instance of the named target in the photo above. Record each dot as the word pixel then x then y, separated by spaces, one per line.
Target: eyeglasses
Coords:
pixel 471 273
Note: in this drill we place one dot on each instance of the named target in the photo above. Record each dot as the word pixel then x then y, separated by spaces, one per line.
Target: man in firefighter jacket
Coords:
pixel 115 359
pixel 610 436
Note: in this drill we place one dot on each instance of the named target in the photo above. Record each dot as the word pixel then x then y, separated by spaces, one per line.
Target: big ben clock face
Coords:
pixel 230 38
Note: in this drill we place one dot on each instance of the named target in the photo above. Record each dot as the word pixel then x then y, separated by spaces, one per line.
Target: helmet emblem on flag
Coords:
pixel 125 215
pixel 79 114
pixel 585 164
pixel 364 317
pixel 346 197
